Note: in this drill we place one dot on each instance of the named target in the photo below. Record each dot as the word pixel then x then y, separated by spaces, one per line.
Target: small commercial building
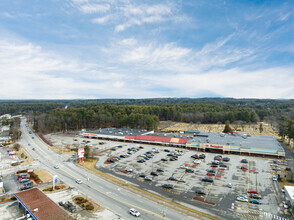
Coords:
pixel 39 206
pixel 289 195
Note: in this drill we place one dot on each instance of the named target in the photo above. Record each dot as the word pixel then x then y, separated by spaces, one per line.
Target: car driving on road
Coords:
pixel 134 212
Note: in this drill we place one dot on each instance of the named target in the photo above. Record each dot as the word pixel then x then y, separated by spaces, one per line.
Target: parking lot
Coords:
pixel 121 159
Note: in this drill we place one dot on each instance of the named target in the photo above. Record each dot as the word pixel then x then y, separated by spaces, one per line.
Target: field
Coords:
pixel 252 129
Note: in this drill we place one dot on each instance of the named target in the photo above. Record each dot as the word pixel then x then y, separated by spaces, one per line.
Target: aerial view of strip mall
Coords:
pixel 152 110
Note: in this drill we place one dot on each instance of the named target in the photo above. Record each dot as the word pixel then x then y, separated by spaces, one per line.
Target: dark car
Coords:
pixel 210 174
pixel 146 158
pixel 255 196
pixel 141 161
pixel 141 147
pixel 167 186
pixel 142 175
pixel 119 146
pixel 163 159
pixel 123 156
pixel 172 159
pixel 166 150
pixel 25 187
pixel 226 159
pixel 154 174
pixel 173 178
pixel 254 201
pixel 110 160
pixel 113 149
pixel 170 155
pixel 195 156
pixel 223 165
pixel 160 170
pixel 217 158
pixel 214 165
pixel 202 156
pixel 210 171
pixel 207 179
pixel 189 171
pixel 116 158
pixel 200 192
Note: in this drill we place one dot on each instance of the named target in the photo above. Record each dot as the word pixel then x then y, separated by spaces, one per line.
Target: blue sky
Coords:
pixel 65 49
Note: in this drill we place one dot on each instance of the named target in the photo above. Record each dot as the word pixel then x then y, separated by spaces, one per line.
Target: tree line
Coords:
pixel 286 128
pixel 137 116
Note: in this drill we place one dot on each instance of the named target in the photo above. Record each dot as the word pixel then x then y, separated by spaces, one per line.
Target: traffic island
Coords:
pixel 87 204
pixel 58 187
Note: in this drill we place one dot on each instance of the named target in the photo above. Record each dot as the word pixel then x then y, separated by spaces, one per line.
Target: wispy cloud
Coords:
pixel 125 14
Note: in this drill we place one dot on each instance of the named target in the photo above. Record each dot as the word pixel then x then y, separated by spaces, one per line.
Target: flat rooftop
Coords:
pixel 119 131
pixel 250 141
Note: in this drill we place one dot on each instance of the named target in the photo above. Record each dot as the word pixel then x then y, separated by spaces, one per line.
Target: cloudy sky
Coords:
pixel 65 49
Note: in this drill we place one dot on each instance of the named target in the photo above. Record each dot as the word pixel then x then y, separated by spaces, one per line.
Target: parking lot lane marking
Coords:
pixel 208 191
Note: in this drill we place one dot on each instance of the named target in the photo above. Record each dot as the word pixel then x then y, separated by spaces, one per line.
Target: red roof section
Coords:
pixel 129 137
pixel 46 209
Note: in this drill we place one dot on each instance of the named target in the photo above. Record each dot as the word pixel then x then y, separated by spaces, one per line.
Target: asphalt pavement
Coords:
pixel 111 196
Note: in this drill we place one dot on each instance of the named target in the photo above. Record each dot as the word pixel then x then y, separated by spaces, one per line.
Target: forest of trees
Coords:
pixel 61 115
pixel 138 116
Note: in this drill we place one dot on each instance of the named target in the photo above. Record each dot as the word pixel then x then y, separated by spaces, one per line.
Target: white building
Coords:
pixel 289 194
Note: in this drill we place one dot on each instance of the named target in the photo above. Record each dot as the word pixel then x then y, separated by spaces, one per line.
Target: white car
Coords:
pixel 197 161
pixel 275 178
pixel 230 185
pixel 242 199
pixel 134 212
pixel 79 181
pixel 129 170
pixel 56 166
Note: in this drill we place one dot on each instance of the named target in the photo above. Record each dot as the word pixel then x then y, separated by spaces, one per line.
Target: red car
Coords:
pixel 217 158
pixel 226 159
pixel 244 168
pixel 252 191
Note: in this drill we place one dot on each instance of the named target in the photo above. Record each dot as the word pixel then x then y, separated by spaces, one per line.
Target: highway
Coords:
pixel 111 196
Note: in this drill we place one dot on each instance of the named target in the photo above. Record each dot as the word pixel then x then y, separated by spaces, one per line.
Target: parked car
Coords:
pixel 129 170
pixel 26 187
pixel 56 166
pixel 154 174
pixel 244 161
pixel 160 170
pixel 163 159
pixel 223 165
pixel 141 161
pixel 211 171
pixel 189 171
pixel 255 201
pixel 141 147
pixel 230 185
pixel 110 160
pixel 182 180
pixel 119 146
pixel 275 178
pixel 207 179
pixel 255 196
pixel 172 159
pixel 242 199
pixel 142 175
pixel 113 148
pixel 244 168
pixel 197 161
pixel 210 174
pixel 217 158
pixel 202 156
pixel 173 178
pixel 123 156
pixel 167 186
pixel 214 165
pixel 24 180
pixel 166 150
pixel 134 212
pixel 200 192
pixel 252 191
pixel 147 178
pixel 226 159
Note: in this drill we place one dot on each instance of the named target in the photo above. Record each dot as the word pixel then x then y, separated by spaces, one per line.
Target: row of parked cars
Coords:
pixel 23 178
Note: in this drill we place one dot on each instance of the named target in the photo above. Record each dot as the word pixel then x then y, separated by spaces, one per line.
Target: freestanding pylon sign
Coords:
pixel 81 153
